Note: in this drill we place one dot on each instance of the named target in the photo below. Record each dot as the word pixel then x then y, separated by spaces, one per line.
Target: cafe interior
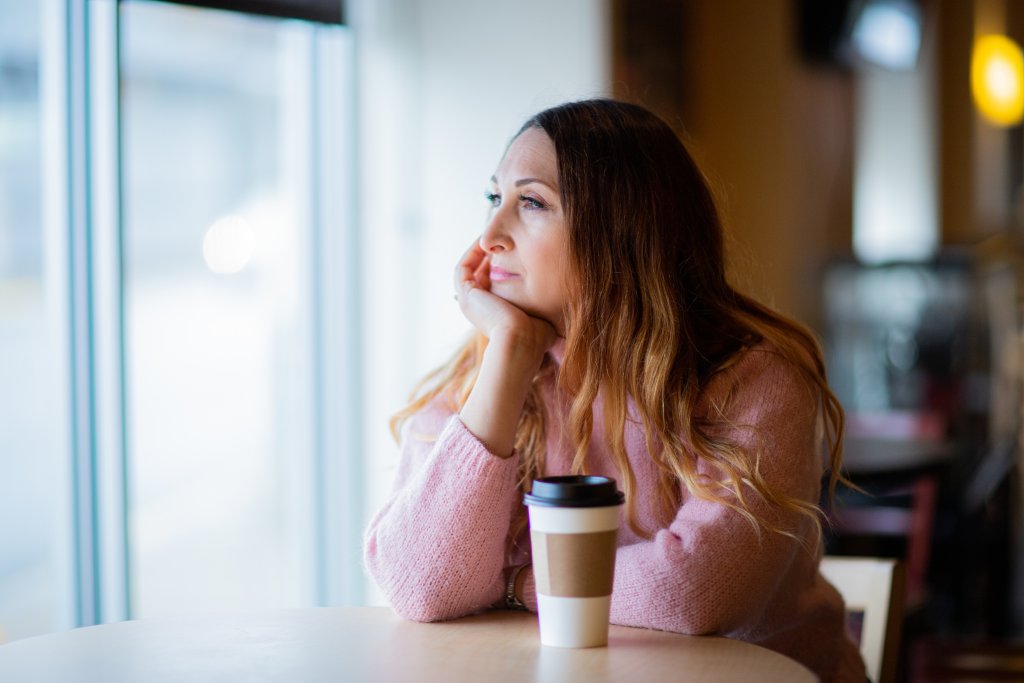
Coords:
pixel 227 232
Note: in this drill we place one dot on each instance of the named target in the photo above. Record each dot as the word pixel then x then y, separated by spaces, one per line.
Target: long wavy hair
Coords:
pixel 651 320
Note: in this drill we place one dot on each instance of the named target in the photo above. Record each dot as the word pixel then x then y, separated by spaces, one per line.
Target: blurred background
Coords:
pixel 227 232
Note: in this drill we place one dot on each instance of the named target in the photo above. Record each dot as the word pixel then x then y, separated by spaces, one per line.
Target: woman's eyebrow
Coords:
pixel 527 181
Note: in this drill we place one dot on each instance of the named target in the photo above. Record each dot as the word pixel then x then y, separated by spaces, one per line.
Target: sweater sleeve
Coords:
pixel 710 570
pixel 437 547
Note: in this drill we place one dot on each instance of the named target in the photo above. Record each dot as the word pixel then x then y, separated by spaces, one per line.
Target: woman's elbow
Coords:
pixel 670 607
pixel 423 601
pixel 412 594
pixel 684 619
pixel 421 608
pixel 697 623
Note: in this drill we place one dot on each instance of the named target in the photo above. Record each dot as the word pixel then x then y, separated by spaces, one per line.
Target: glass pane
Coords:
pixel 216 131
pixel 33 400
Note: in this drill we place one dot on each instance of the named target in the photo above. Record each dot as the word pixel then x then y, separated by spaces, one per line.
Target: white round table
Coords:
pixel 333 645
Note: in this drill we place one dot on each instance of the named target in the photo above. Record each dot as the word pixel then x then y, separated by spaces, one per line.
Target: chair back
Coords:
pixel 872 588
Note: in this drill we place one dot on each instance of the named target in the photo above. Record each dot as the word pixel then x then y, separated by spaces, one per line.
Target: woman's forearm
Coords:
pixel 493 408
pixel 437 547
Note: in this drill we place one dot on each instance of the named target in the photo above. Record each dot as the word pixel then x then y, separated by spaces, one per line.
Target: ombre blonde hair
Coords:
pixel 651 321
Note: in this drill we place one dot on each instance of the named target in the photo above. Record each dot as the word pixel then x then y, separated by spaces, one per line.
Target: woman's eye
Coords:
pixel 492 198
pixel 531 203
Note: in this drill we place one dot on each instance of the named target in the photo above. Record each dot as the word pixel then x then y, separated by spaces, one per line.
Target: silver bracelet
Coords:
pixel 511 601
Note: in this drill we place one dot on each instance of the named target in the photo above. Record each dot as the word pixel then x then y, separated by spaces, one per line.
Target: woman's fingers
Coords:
pixel 482 275
pixel 471 262
pixel 488 312
pixel 472 289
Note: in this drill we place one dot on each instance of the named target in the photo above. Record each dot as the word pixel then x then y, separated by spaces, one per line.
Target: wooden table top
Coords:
pixel 372 644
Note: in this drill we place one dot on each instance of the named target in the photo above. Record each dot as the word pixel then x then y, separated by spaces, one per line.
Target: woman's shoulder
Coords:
pixel 756 360
pixel 762 373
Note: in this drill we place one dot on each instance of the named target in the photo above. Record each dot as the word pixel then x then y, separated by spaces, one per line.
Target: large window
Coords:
pixel 176 289
pixel 219 292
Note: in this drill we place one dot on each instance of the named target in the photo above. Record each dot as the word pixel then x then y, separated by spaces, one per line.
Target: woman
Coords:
pixel 609 342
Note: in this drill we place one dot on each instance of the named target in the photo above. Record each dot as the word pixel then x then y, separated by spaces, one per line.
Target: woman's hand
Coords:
pixel 516 345
pixel 497 319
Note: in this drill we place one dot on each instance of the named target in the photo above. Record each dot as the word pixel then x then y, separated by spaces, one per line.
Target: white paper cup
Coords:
pixel 573 526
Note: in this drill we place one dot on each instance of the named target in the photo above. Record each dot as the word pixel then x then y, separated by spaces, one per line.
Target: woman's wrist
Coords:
pixel 520 349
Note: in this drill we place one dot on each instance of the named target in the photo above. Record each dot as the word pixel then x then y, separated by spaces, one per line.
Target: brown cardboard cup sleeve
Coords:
pixel 574 565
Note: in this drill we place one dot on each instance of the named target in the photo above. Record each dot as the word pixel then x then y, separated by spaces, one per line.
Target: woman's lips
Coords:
pixel 501 275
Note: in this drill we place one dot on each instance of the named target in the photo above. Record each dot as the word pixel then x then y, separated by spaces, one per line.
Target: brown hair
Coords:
pixel 651 318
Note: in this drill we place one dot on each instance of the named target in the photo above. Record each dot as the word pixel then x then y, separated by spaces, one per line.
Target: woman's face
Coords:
pixel 526 236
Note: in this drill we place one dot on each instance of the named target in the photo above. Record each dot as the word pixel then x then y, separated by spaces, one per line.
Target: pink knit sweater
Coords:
pixel 438 549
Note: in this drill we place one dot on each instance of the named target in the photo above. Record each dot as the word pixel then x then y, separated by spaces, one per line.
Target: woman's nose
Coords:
pixel 496 236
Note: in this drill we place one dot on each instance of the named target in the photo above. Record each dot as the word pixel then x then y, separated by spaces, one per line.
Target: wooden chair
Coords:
pixel 873 591
pixel 884 515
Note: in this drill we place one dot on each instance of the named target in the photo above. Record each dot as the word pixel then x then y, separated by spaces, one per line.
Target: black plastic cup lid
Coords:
pixel 577 491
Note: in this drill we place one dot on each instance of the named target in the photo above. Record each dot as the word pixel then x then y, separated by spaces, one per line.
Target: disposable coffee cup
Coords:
pixel 574 521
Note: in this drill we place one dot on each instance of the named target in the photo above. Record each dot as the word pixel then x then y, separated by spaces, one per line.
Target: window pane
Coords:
pixel 33 399
pixel 215 126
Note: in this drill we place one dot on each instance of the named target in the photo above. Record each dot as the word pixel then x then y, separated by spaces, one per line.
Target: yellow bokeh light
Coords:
pixel 997 79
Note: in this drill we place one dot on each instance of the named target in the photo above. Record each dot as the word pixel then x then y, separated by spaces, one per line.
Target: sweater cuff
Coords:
pixel 468 442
